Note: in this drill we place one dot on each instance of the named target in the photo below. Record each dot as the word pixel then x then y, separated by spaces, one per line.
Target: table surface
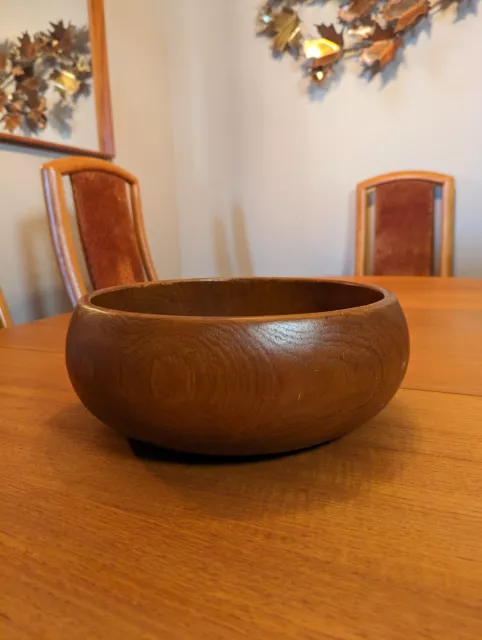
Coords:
pixel 376 536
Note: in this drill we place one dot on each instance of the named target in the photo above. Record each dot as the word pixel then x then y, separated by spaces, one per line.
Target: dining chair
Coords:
pixel 5 319
pixel 401 239
pixel 109 217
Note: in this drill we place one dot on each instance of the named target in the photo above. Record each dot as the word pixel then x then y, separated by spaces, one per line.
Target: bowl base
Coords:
pixel 148 451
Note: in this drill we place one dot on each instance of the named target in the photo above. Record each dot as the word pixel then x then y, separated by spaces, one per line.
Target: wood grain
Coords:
pixel 446 350
pixel 100 68
pixel 446 347
pixel 431 293
pixel 36 143
pixel 237 366
pixel 47 334
pixel 447 183
pixel 101 543
pixel 374 536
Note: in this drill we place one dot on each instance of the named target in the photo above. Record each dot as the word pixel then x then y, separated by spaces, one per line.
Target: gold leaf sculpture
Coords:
pixel 66 81
pixel 265 21
pixel 324 52
pixel 356 10
pixel 286 26
pixel 12 120
pixel 58 58
pixel 406 12
pixel 380 53
pixel 62 38
pixel 321 50
pixel 3 61
pixel 27 49
pixel 376 29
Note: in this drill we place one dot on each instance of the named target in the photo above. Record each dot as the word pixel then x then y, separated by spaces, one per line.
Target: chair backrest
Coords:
pixel 403 235
pixel 5 319
pixel 109 215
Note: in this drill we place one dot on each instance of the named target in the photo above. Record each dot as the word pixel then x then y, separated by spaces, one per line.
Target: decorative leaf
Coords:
pixel 319 49
pixel 413 15
pixel 32 83
pixel 27 49
pixel 445 4
pixel 356 10
pixel 82 40
pixel 83 68
pixel 16 103
pixel 12 121
pixel 393 9
pixel 67 43
pixel 36 120
pixel 325 51
pixel 84 90
pixel 3 99
pixel 380 53
pixel 322 53
pixel 363 29
pixel 381 34
pixel 66 81
pixel 3 61
pixel 328 32
pixel 42 41
pixel 405 12
pixel 58 30
pixel 36 101
pixel 63 37
pixel 265 21
pixel 287 31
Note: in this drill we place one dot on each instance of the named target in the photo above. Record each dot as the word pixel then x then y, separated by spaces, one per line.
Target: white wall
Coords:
pixel 28 271
pixel 260 176
pixel 266 172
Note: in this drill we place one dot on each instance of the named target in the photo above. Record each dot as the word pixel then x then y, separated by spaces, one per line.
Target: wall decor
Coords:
pixel 54 86
pixel 372 30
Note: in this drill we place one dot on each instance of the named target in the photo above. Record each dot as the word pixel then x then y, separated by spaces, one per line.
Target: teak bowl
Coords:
pixel 237 367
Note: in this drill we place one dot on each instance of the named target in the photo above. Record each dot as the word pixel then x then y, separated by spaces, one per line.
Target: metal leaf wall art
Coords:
pixel 58 59
pixel 372 30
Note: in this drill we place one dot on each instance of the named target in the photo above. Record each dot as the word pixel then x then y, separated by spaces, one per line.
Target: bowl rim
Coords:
pixel 86 301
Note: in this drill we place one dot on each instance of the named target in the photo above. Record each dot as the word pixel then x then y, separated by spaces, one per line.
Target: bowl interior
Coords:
pixel 238 297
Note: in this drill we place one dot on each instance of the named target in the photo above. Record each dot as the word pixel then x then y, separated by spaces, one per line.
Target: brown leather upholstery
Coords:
pixel 404 219
pixel 106 229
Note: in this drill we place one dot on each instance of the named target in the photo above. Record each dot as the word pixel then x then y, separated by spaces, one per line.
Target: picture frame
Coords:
pixel 101 94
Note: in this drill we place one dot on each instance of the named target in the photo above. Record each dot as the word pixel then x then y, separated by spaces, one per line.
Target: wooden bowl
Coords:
pixel 237 367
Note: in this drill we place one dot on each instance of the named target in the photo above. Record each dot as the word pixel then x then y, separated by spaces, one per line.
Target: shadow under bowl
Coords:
pixel 237 366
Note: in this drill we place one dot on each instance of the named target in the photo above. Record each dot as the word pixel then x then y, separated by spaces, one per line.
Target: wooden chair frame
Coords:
pixel 5 319
pixel 448 199
pixel 52 179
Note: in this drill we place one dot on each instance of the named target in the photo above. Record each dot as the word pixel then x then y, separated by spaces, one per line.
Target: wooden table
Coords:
pixel 377 536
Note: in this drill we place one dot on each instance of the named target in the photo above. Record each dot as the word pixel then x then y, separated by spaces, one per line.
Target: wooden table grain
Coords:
pixel 375 536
